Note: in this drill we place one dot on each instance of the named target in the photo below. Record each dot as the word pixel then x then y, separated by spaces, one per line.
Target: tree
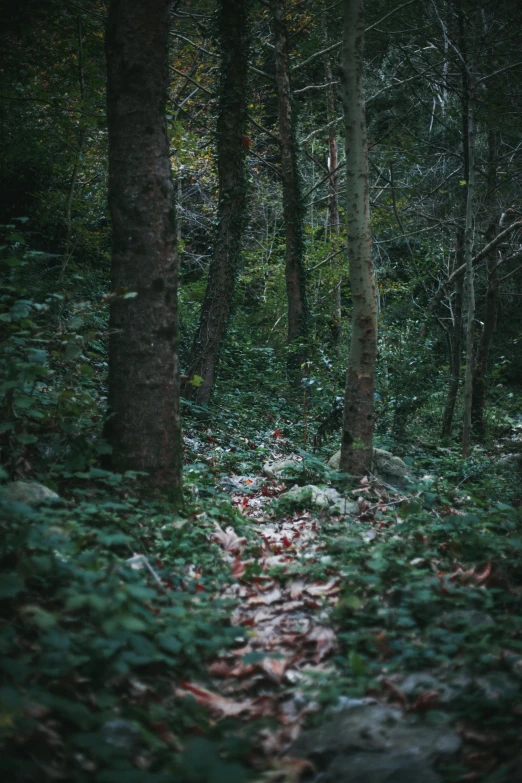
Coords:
pixel 144 425
pixel 292 203
pixel 356 449
pixel 232 146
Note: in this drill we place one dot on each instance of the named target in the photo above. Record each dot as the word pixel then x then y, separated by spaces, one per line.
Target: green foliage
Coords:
pixel 89 632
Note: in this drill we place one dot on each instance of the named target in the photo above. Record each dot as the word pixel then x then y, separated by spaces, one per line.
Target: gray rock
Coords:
pixel 417 682
pixel 344 507
pixel 30 492
pixel 380 768
pixel 372 743
pixel 286 468
pixel 240 483
pixel 385 465
pixel 308 496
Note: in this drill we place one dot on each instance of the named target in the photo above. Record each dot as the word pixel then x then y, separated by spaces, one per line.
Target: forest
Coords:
pixel 261 391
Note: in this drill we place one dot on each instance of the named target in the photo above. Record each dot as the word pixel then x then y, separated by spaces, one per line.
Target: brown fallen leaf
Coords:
pixel 228 538
pixel 329 588
pixel 213 701
pixel 274 668
pixel 267 598
pixel 296 588
pixel 324 639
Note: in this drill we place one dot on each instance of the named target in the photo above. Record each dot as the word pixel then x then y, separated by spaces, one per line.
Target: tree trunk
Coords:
pixel 232 145
pixel 292 203
pixel 144 425
pixel 468 113
pixel 79 150
pixel 356 449
pixel 333 198
pixel 456 351
pixel 478 402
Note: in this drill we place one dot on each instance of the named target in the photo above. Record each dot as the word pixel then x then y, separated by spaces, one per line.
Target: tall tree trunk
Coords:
pixel 468 102
pixel 82 135
pixel 144 426
pixel 356 448
pixel 333 196
pixel 232 145
pixel 292 202
pixel 478 402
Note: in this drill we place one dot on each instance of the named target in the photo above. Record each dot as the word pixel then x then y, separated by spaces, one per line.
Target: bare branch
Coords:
pixel 314 87
pixel 190 79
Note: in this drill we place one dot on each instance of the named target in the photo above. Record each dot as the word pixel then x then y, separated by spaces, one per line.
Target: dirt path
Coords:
pixel 287 585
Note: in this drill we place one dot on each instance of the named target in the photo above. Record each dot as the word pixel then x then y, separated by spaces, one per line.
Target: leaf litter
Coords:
pixel 287 638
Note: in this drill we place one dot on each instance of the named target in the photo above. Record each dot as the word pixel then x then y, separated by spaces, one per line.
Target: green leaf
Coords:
pixel 131 623
pixel 26 439
pixel 86 370
pixel 72 351
pixel 169 643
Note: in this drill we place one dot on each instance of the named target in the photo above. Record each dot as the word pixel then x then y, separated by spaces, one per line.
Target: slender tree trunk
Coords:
pixel 333 198
pixel 144 425
pixel 456 351
pixel 292 203
pixel 356 449
pixel 478 402
pixel 232 145
pixel 468 102
pixel 82 135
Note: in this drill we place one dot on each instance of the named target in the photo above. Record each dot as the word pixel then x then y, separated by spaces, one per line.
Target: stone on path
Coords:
pixel 30 492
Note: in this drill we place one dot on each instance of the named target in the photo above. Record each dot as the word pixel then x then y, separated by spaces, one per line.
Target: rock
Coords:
pixel 380 768
pixel 418 682
pixel 385 466
pixel 240 483
pixel 30 492
pixel 344 507
pixel 309 495
pixel 121 734
pixel 372 743
pixel 286 468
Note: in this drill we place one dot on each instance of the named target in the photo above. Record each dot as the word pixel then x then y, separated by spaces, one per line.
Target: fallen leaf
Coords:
pixel 213 701
pixel 268 598
pixel 324 639
pixel 228 538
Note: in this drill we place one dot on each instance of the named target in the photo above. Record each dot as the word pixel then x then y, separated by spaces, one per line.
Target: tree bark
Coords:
pixel 478 401
pixel 356 448
pixel 292 204
pixel 144 425
pixel 468 103
pixel 455 355
pixel 232 145
pixel 333 199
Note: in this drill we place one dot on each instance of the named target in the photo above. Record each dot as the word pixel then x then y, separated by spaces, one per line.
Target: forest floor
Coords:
pixel 250 639
pixel 392 631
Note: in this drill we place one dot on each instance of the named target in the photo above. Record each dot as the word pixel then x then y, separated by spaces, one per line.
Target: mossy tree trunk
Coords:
pixel 292 202
pixel 232 146
pixel 144 425
pixel 356 447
